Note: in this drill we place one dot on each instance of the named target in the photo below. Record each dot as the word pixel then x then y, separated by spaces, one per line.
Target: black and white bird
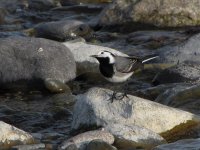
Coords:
pixel 116 68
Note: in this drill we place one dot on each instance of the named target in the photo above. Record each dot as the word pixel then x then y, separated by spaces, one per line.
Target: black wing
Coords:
pixel 127 64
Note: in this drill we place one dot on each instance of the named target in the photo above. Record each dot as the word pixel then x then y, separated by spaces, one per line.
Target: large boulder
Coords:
pixel 24 58
pixel 161 13
pixel 94 109
pixel 11 136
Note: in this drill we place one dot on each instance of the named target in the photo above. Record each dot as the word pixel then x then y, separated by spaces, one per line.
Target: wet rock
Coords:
pixel 63 99
pixel 181 96
pixel 42 4
pixel 132 136
pixel 11 136
pixel 56 86
pixel 68 29
pixel 184 72
pixel 35 58
pixel 82 53
pixel 29 147
pixel 153 92
pixel 52 136
pixel 83 139
pixel 71 147
pixel 94 109
pixel 185 56
pixel 187 51
pixel 99 145
pixel 161 13
pixel 181 145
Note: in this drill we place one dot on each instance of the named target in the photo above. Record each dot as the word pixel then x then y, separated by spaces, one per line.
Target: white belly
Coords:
pixel 120 77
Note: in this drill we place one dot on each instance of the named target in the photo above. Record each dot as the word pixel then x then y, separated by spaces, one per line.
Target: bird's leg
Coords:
pixel 113 96
pixel 124 94
pixel 119 96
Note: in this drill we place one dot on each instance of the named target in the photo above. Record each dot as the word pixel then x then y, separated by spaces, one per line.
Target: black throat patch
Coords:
pixel 105 68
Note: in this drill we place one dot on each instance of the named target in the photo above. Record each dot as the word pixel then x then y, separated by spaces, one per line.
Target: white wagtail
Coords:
pixel 118 69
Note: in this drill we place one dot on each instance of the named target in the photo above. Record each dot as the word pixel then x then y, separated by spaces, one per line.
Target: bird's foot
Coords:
pixel 117 96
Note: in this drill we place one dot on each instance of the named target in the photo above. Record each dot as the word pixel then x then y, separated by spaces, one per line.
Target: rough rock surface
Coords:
pixel 162 13
pixel 11 136
pixel 187 51
pixel 129 136
pixel 184 72
pixel 35 58
pixel 81 140
pixel 94 109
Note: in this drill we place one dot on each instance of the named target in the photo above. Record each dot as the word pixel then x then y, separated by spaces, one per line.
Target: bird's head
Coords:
pixel 105 56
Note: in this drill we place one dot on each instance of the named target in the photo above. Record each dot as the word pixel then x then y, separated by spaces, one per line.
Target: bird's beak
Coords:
pixel 94 56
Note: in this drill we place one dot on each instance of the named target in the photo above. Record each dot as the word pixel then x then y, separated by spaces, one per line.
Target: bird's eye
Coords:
pixel 101 52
